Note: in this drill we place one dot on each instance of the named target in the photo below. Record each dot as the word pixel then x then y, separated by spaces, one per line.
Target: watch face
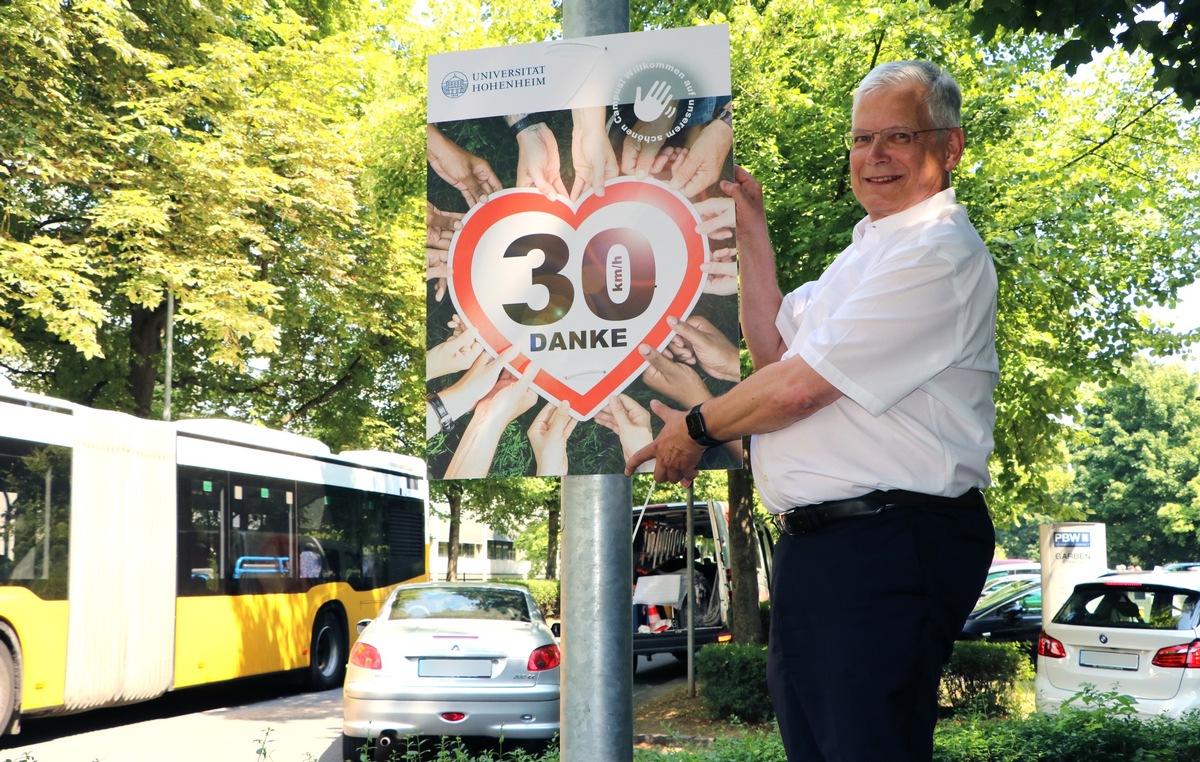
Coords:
pixel 695 424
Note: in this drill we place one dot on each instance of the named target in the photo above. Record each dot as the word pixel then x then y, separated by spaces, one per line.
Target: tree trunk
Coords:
pixel 552 522
pixel 145 341
pixel 454 494
pixel 745 623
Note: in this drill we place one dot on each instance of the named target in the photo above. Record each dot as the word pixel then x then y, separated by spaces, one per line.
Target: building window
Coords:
pixel 501 550
pixel 468 549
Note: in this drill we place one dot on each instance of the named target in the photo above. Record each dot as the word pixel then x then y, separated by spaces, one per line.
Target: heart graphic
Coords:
pixel 577 287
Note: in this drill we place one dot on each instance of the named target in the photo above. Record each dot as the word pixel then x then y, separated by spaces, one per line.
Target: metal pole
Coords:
pixel 691 592
pixel 597 601
pixel 597 575
pixel 168 370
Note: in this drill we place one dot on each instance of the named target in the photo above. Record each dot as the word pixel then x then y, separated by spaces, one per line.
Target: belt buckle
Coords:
pixel 800 520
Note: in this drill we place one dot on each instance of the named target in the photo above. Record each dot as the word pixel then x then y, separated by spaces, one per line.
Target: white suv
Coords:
pixel 1134 633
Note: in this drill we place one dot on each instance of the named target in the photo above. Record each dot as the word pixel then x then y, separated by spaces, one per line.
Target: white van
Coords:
pixel 660 596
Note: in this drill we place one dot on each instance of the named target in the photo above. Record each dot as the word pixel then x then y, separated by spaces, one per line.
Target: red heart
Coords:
pixel 659 213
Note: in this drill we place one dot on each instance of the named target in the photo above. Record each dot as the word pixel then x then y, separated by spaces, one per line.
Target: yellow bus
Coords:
pixel 138 557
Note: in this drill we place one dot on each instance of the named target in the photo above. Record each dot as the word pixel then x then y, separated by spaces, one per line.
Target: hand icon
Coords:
pixel 654 104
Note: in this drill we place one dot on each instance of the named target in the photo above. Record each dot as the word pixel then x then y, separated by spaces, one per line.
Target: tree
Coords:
pixel 210 153
pixel 1137 465
pixel 1083 189
pixel 1169 39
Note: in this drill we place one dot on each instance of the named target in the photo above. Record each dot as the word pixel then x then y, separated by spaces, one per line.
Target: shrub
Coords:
pixel 981 678
pixel 1095 727
pixel 544 591
pixel 733 679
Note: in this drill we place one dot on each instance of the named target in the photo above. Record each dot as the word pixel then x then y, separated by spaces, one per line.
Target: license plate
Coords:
pixel 1109 660
pixel 454 668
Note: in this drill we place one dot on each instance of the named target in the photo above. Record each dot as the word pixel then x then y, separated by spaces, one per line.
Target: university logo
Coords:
pixel 454 84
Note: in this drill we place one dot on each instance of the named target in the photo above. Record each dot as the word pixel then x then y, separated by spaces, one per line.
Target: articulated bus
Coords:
pixel 138 557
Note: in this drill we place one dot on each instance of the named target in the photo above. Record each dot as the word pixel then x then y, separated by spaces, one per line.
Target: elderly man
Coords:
pixel 871 417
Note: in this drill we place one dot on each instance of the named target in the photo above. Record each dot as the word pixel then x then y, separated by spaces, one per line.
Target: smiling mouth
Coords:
pixel 884 179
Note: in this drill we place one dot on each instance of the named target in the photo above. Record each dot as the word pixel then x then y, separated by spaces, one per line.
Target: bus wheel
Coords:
pixel 8 689
pixel 329 652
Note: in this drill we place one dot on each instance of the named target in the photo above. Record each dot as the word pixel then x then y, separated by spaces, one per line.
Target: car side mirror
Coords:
pixel 1012 611
pixel 362 625
pixel 556 628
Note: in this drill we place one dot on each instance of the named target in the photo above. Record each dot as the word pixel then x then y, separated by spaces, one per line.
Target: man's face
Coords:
pixel 890 178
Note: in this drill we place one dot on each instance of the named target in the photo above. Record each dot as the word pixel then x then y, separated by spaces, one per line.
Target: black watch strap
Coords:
pixel 698 431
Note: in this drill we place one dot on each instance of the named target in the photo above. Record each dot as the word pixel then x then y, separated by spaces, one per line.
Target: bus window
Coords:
pixel 260 533
pixel 35 498
pixel 201 495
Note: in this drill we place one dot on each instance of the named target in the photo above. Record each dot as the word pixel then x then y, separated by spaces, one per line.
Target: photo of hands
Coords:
pixel 487 418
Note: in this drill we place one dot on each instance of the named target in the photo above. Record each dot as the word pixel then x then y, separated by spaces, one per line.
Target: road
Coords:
pixel 227 724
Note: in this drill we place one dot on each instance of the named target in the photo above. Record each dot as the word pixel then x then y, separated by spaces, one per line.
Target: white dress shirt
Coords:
pixel 903 323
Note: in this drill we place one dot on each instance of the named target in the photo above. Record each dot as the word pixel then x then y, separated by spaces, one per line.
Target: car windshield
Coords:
pixel 1145 607
pixel 460 603
pixel 1004 593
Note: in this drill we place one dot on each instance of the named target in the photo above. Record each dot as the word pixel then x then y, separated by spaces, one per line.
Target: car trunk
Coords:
pixel 1125 660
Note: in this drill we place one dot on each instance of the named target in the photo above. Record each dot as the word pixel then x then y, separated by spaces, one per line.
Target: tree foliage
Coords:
pixel 1083 187
pixel 1171 39
pixel 1137 465
pixel 263 164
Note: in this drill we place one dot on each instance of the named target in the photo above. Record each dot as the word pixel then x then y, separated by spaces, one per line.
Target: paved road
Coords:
pixel 228 724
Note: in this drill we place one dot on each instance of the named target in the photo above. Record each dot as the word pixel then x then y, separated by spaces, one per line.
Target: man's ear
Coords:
pixel 955 142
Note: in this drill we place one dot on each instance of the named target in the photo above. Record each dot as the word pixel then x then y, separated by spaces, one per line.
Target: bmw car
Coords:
pixel 1137 634
pixel 452 659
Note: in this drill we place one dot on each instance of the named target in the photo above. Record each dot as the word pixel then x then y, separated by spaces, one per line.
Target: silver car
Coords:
pixel 452 659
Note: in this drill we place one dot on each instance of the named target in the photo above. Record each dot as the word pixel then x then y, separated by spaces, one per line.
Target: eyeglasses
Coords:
pixel 892 137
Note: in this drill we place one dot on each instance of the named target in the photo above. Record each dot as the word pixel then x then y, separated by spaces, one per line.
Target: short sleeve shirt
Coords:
pixel 903 323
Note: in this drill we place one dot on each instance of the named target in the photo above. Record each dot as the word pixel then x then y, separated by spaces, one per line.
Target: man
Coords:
pixel 871 417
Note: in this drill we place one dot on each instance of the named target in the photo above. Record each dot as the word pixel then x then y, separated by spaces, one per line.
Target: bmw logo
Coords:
pixel 1103 638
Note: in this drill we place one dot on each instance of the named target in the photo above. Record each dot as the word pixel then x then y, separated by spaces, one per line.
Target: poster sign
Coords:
pixel 580 253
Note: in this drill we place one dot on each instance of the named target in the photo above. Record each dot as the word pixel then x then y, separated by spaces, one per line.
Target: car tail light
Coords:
pixel 1048 646
pixel 725 637
pixel 366 656
pixel 453 716
pixel 544 658
pixel 1182 656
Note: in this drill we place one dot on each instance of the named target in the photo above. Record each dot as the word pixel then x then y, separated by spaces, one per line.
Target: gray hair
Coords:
pixel 942 98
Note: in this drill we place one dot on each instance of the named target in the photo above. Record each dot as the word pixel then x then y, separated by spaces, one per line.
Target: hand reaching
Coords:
pixel 631 423
pixel 471 175
pixel 592 152
pixel 717 217
pixel 675 380
pixel 548 437
pixel 705 160
pixel 455 354
pixel 538 162
pixel 712 350
pixel 722 272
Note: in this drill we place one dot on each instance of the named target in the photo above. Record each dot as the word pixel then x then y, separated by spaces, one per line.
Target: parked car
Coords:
pixel 452 659
pixel 1003 567
pixel 991 589
pixel 1013 613
pixel 1135 633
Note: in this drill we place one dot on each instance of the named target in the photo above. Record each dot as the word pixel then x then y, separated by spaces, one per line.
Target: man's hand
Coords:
pixel 675 453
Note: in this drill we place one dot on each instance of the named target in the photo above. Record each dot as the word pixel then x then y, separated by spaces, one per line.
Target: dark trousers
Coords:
pixel 864 614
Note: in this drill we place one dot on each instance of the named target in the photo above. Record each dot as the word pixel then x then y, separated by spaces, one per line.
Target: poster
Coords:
pixel 580 254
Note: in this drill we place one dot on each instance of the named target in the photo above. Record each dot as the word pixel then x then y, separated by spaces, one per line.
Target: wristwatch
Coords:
pixel 697 429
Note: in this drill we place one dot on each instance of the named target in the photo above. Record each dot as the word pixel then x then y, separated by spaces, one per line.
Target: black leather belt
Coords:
pixel 811 518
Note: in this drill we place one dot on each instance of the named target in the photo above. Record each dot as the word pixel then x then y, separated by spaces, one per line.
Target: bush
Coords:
pixel 982 678
pixel 544 591
pixel 733 679
pixel 1096 727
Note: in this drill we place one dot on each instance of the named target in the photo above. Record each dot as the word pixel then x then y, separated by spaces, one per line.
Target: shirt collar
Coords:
pixel 925 210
